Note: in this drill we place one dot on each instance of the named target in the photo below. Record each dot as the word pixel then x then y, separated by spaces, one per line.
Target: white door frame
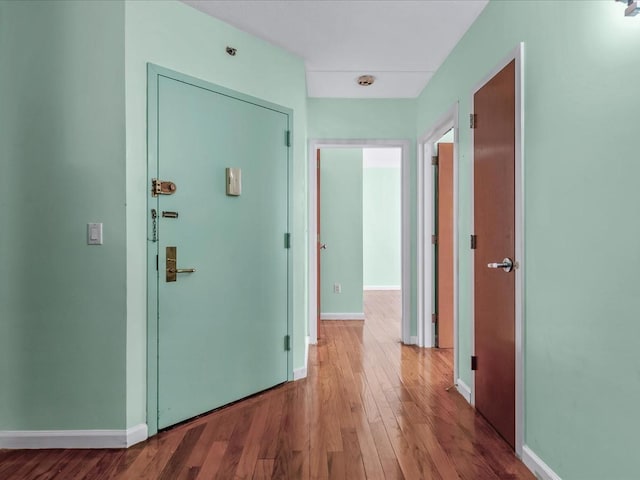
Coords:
pixel 426 227
pixel 314 146
pixel 516 54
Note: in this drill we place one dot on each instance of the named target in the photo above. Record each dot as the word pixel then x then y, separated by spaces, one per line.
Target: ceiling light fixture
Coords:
pixel 632 10
pixel 366 80
pixel 633 7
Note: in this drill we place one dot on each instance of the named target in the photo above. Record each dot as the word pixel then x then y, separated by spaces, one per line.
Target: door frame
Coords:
pixel 516 54
pixel 426 227
pixel 318 144
pixel 154 72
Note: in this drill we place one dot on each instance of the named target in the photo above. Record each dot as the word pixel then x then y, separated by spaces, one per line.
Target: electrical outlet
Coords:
pixel 337 288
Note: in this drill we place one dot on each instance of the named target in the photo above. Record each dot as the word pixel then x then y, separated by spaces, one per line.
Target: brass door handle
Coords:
pixel 172 261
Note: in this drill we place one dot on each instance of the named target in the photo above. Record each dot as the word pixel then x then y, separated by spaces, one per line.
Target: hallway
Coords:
pixel 370 408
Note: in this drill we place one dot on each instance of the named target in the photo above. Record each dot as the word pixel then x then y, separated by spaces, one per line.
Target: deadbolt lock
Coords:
pixel 161 187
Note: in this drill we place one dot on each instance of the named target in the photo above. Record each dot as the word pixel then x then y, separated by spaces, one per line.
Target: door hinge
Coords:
pixel 434 318
pixel 287 342
pixel 473 120
pixel 156 263
pixel 434 239
pixel 434 160
pixel 474 242
pixel 161 187
pixel 287 240
pixel 474 362
pixel 287 138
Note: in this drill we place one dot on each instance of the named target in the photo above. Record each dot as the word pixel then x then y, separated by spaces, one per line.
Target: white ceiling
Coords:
pixel 402 42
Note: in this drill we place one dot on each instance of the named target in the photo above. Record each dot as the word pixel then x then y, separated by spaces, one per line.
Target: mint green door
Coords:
pixel 221 329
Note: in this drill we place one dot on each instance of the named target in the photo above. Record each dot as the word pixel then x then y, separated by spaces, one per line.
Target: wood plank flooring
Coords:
pixel 369 408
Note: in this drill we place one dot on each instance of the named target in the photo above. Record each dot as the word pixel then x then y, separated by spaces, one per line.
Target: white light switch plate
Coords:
pixel 94 234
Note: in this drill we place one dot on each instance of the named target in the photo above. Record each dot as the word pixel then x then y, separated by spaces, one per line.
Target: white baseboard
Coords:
pixel 464 390
pixel 31 439
pixel 342 316
pixel 137 434
pixel 300 373
pixel 537 466
pixel 381 287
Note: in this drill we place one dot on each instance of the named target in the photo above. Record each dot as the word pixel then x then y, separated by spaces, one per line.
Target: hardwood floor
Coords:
pixel 369 408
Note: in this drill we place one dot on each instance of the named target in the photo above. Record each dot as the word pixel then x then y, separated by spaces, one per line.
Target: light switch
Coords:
pixel 234 181
pixel 94 233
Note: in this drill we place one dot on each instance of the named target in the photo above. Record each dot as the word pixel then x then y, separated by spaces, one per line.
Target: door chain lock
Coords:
pixel 154 225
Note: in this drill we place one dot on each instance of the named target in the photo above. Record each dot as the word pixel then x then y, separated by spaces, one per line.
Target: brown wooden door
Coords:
pixel 494 227
pixel 318 244
pixel 445 246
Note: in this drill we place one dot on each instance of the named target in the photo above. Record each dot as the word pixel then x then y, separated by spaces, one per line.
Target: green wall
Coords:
pixel 338 118
pixel 341 229
pixel 381 223
pixel 73 151
pixel 176 36
pixel 62 158
pixel 364 119
pixel 582 305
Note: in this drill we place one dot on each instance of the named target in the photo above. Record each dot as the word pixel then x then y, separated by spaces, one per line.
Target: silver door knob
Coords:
pixel 323 246
pixel 506 265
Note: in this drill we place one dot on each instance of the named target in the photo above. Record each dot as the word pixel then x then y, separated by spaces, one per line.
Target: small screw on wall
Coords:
pixel 231 51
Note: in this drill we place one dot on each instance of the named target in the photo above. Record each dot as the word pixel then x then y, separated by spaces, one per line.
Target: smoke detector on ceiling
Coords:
pixel 366 80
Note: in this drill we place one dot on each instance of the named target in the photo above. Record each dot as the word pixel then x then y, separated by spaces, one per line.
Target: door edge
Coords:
pixel 425 276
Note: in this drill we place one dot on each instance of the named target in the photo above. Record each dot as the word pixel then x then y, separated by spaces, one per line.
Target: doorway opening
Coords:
pixel 320 241
pixel 438 239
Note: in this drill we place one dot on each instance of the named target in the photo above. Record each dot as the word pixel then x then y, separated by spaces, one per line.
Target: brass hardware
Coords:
pixel 172 261
pixel 170 214
pixel 160 187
